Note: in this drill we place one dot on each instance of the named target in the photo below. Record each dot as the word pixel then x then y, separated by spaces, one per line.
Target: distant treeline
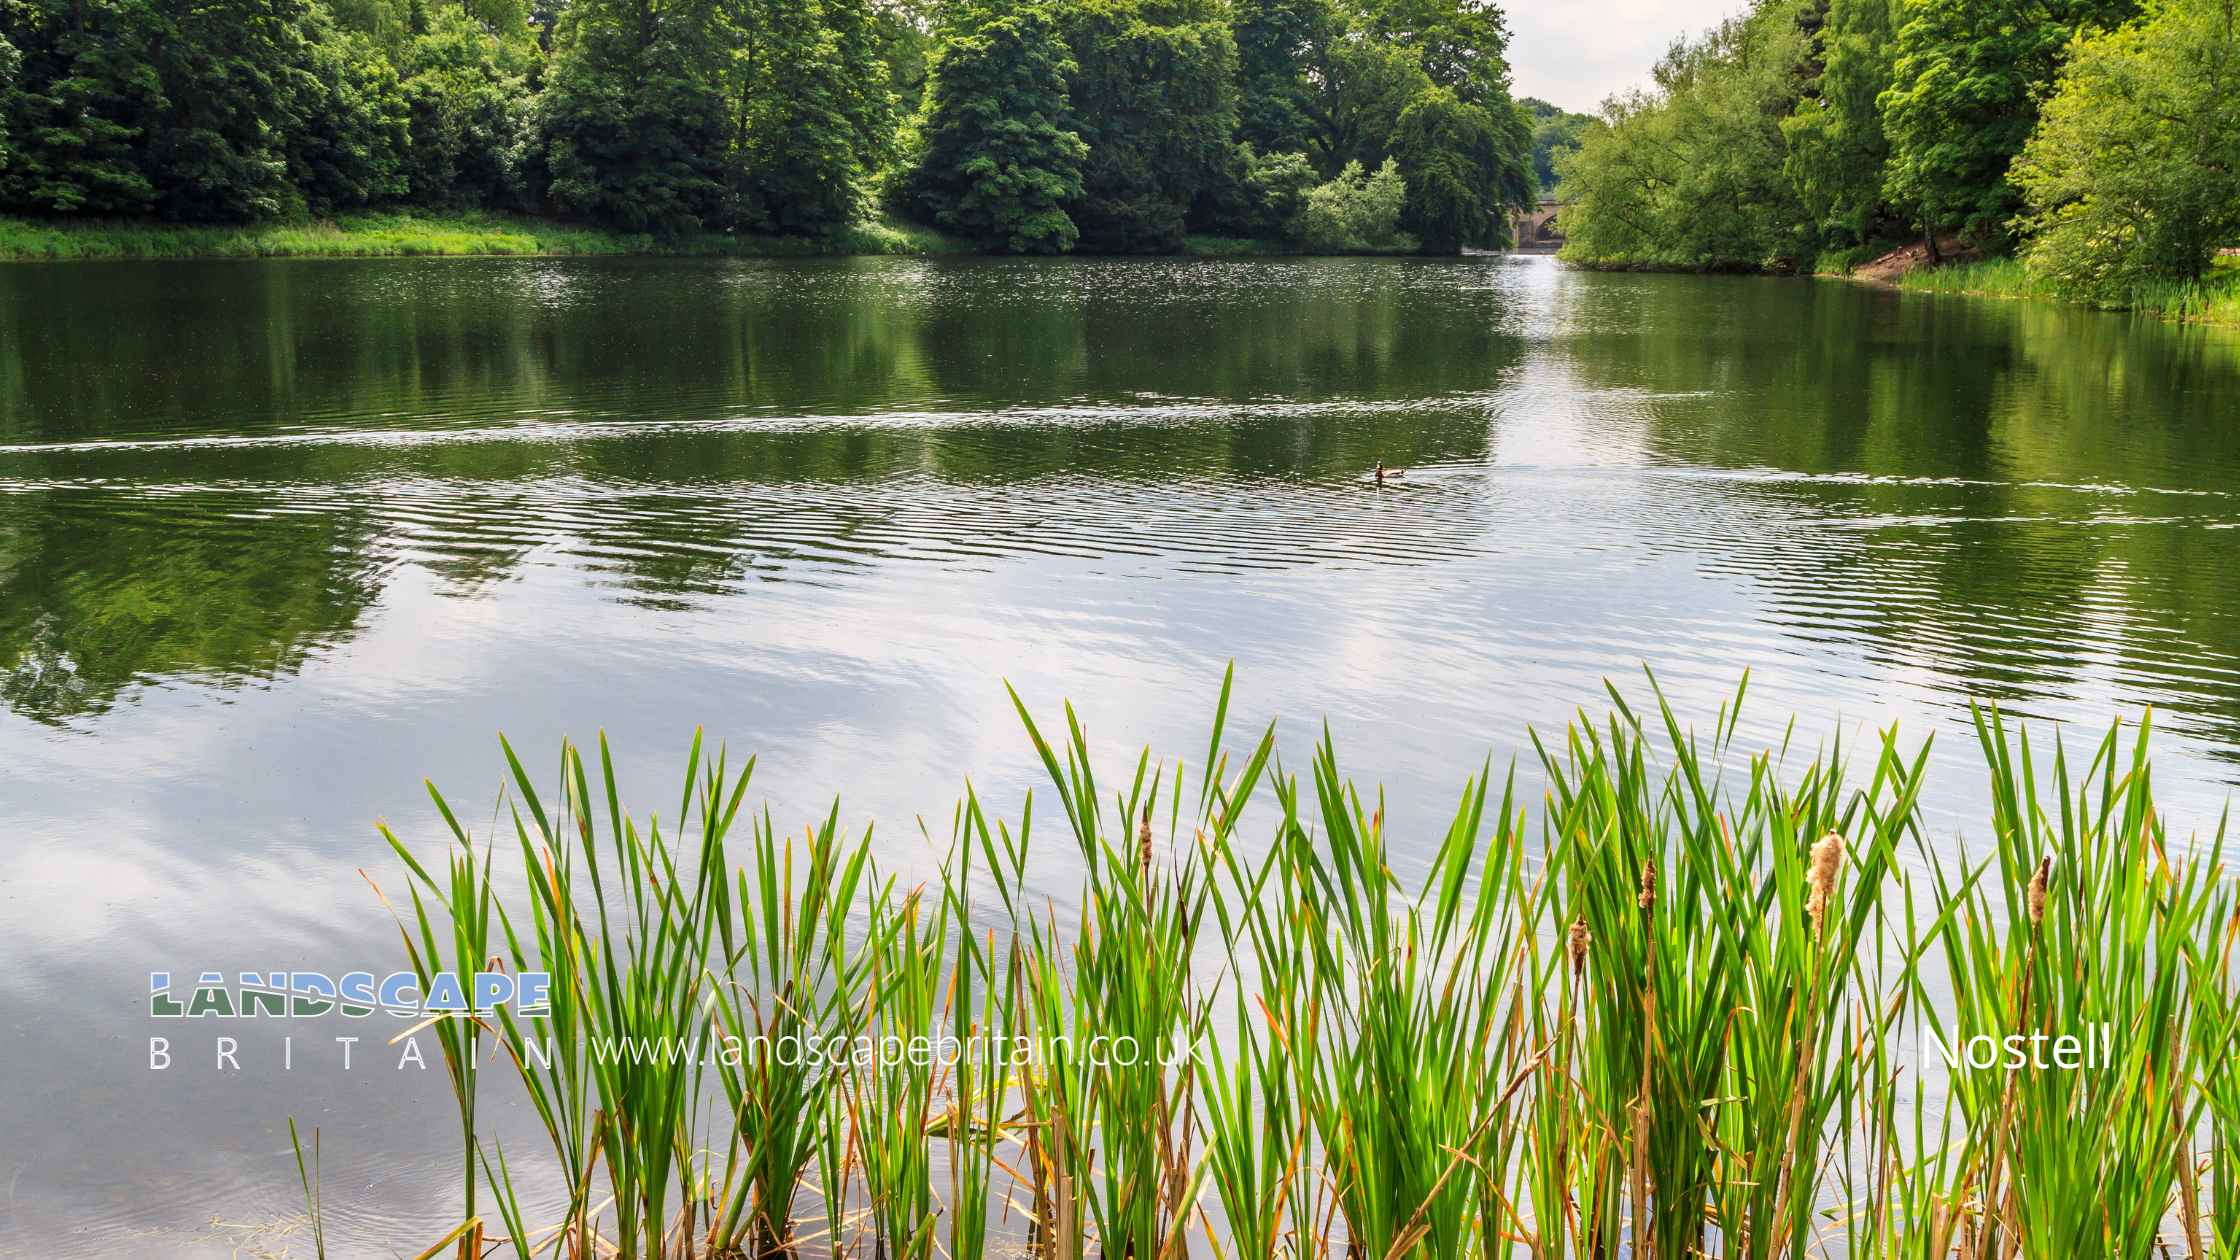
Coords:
pixel 1113 125
pixel 2099 139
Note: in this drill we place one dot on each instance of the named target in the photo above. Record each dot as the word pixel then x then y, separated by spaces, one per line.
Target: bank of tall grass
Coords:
pixel 432 234
pixel 2213 299
pixel 1669 1007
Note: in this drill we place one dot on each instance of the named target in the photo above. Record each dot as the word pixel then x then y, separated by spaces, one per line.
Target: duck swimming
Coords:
pixel 1384 472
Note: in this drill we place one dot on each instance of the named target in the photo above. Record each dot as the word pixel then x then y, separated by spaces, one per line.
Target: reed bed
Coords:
pixel 1686 1002
pixel 2212 299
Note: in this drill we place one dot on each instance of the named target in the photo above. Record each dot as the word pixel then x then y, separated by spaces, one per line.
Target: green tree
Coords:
pixel 1689 174
pixel 349 130
pixel 2133 173
pixel 194 111
pixel 1364 85
pixel 1462 171
pixel 999 159
pixel 75 108
pixel 11 62
pixel 813 113
pixel 1276 187
pixel 1555 132
pixel 390 24
pixel 1260 195
pixel 464 89
pixel 631 128
pixel 1356 211
pixel 1154 97
pixel 1278 41
pixel 1963 98
pixel 233 74
pixel 1463 44
pixel 1835 145
pixel 860 33
pixel 1426 82
pixel 905 32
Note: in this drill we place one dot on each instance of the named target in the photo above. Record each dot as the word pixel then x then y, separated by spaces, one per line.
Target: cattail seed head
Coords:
pixel 1143 840
pixel 1648 897
pixel 1827 862
pixel 1578 946
pixel 2037 896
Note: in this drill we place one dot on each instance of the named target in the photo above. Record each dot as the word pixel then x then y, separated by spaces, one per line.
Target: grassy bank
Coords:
pixel 426 234
pixel 2214 299
pixel 430 234
pixel 1667 266
pixel 1204 246
pixel 1663 1011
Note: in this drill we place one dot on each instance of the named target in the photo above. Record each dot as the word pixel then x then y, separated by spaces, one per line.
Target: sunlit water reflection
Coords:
pixel 278 540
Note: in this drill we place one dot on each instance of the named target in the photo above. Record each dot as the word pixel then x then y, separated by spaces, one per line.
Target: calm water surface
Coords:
pixel 277 540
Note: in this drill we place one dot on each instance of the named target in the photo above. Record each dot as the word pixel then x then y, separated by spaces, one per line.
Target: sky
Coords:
pixel 1572 53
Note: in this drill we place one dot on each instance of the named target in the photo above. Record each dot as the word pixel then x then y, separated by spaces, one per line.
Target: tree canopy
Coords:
pixel 2133 174
pixel 1034 125
pixel 1963 97
pixel 1000 160
pixel 1555 132
pixel 2098 139
pixel 1689 173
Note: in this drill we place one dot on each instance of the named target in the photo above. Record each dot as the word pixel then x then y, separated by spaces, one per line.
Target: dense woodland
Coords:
pixel 1019 125
pixel 2097 139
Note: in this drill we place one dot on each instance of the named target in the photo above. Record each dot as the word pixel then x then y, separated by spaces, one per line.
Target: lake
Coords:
pixel 279 540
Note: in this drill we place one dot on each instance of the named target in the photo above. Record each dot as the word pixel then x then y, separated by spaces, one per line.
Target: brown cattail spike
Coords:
pixel 2037 897
pixel 1827 862
pixel 1578 946
pixel 1648 888
pixel 1143 840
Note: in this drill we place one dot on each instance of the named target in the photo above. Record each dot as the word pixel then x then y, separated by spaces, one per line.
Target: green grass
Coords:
pixel 1988 277
pixel 895 236
pixel 307 1176
pixel 1205 246
pixel 425 233
pixel 1841 262
pixel 2213 299
pixel 1198 245
pixel 1658 1011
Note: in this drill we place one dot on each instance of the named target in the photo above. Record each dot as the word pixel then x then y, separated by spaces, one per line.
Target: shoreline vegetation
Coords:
pixel 1680 1012
pixel 421 233
pixel 2215 299
pixel 2212 299
pixel 762 127
pixel 2078 151
pixel 479 233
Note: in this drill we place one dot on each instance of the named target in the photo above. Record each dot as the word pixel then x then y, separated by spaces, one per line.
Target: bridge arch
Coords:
pixel 1537 230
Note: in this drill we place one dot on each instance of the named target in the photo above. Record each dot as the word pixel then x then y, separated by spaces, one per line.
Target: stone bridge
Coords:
pixel 1536 230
